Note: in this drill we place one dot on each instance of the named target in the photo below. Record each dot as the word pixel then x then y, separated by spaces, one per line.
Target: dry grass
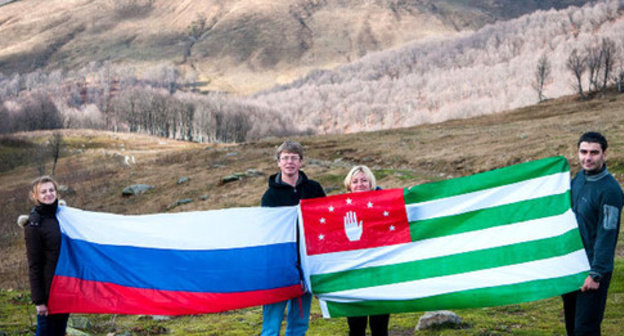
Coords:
pixel 93 163
pixel 93 167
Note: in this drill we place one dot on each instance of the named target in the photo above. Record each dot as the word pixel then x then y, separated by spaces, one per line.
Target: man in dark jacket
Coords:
pixel 286 188
pixel 597 204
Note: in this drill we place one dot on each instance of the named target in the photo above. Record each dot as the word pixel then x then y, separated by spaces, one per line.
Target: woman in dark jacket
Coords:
pixel 43 243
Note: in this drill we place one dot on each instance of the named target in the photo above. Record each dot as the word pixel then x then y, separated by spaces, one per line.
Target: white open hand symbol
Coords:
pixel 353 229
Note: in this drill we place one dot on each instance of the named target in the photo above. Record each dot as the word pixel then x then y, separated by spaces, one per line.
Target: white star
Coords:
pixel 370 204
pixel 322 220
pixel 392 228
pixel 321 236
pixel 386 213
pixel 331 208
pixel 349 201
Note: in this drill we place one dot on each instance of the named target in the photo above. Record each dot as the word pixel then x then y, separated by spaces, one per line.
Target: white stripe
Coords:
pixel 215 229
pixel 302 251
pixel 507 194
pixel 324 309
pixel 443 246
pixel 573 263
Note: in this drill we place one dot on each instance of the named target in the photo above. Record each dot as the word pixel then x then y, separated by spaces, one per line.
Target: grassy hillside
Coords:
pixel 241 45
pixel 93 169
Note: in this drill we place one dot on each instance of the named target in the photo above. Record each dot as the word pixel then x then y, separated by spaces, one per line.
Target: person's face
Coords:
pixel 591 156
pixel 289 163
pixel 360 182
pixel 46 193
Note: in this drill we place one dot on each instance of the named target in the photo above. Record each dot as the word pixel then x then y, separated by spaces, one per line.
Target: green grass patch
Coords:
pixel 15 152
pixel 617 279
pixel 17 314
pixel 616 167
pixel 89 142
pixel 544 317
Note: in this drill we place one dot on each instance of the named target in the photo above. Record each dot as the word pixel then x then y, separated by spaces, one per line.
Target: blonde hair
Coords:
pixel 34 187
pixel 358 169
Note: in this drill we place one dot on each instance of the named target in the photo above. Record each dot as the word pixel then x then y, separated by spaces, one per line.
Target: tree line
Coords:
pixel 158 102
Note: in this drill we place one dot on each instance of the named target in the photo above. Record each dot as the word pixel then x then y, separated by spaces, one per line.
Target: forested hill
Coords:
pixel 490 70
pixel 236 45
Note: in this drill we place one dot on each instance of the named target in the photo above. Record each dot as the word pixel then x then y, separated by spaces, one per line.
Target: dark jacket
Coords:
pixel 283 194
pixel 43 245
pixel 597 204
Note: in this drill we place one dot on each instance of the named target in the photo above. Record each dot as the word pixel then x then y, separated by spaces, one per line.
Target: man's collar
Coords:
pixel 278 179
pixel 596 175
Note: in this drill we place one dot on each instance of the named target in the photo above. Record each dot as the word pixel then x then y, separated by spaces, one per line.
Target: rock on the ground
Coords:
pixel 136 189
pixel 230 178
pixel 179 202
pixel 438 318
pixel 79 322
pixel 183 179
pixel 254 172
pixel 75 332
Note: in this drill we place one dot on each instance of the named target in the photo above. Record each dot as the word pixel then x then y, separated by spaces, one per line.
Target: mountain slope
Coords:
pixel 238 45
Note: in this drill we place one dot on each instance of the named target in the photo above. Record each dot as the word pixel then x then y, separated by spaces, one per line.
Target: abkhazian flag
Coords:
pixel 501 237
pixel 173 264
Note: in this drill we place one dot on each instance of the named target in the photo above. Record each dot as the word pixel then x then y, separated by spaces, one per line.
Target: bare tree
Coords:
pixel 5 126
pixel 14 86
pixel 34 79
pixel 542 74
pixel 619 80
pixel 576 64
pixel 38 112
pixel 104 83
pixel 594 64
pixel 127 107
pixel 607 51
pixel 186 120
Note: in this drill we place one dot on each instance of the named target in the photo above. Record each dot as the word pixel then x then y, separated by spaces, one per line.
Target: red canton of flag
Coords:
pixel 355 221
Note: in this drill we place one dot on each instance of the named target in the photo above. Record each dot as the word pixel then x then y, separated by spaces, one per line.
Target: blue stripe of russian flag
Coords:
pixel 220 271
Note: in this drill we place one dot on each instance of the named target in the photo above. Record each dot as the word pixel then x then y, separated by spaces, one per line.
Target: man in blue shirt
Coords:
pixel 597 204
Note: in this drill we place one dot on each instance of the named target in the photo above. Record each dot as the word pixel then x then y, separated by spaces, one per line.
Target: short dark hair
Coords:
pixel 593 137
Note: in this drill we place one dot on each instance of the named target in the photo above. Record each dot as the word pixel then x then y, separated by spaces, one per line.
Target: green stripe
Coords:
pixel 482 297
pixel 487 180
pixel 491 217
pixel 447 265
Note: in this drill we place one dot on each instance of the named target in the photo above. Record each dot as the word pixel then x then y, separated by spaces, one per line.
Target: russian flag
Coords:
pixel 175 264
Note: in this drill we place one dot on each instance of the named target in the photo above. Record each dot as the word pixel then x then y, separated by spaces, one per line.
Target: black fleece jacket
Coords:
pixel 597 203
pixel 43 245
pixel 283 194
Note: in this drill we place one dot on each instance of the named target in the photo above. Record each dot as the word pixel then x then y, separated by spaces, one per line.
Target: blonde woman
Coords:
pixel 43 243
pixel 360 179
